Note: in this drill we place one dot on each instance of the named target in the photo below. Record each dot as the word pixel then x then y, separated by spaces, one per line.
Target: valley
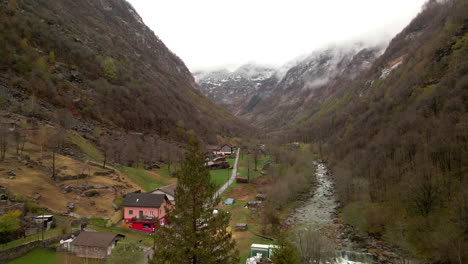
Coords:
pixel 112 150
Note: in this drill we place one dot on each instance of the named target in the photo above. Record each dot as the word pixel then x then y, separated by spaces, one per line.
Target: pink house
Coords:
pixel 142 210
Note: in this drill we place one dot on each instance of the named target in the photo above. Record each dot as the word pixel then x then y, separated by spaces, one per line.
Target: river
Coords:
pixel 319 210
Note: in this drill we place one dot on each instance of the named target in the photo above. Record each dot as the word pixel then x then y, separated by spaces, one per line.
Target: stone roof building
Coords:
pixel 95 244
pixel 168 190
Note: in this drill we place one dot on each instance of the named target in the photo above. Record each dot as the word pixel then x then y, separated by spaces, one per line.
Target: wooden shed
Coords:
pixel 241 227
pixel 95 245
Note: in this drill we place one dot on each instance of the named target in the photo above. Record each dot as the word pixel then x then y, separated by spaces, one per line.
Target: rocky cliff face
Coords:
pixel 270 98
pixel 239 90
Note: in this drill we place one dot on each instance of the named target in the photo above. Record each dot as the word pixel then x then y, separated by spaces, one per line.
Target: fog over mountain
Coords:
pixel 224 34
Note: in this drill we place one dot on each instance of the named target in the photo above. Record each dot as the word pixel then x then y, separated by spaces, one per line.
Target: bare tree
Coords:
pixel 4 134
pixel 55 143
pixel 313 246
pixel 20 141
pixel 106 145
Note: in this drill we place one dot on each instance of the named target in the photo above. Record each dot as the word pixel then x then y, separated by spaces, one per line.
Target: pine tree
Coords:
pixel 287 252
pixel 195 235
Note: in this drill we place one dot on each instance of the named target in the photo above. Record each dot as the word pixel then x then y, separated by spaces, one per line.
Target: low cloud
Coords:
pixel 210 34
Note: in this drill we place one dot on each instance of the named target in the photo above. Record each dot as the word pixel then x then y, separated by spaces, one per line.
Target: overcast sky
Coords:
pixel 210 34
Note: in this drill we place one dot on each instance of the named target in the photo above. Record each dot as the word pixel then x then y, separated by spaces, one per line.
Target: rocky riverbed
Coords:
pixel 319 208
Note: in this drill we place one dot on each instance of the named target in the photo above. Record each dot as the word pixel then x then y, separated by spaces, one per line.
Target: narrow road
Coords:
pixel 231 179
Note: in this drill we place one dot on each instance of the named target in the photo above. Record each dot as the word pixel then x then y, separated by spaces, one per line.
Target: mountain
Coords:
pixel 93 106
pixel 239 90
pixel 275 98
pixel 311 80
pixel 396 138
pixel 101 62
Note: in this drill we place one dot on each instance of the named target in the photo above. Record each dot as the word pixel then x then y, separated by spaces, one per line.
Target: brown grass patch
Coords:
pixel 38 179
pixel 160 178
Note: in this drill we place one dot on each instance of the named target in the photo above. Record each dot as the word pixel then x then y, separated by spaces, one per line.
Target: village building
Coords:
pixel 44 220
pixel 168 190
pixel 265 250
pixel 212 150
pixel 95 245
pixel 226 150
pixel 143 210
pixel 215 150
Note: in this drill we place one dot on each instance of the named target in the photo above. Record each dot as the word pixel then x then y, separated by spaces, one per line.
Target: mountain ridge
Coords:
pixel 99 70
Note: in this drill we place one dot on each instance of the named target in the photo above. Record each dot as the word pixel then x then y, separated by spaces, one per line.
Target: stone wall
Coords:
pixel 6 206
pixel 16 252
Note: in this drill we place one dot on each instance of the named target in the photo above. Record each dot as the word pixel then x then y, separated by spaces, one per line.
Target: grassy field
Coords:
pixel 141 178
pixel 14 243
pixel 247 161
pixel 219 177
pixel 243 193
pixel 85 146
pixel 37 256
pixel 45 256
pixel 148 180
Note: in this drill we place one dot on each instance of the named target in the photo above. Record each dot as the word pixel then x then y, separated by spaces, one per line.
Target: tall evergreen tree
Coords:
pixel 287 252
pixel 195 235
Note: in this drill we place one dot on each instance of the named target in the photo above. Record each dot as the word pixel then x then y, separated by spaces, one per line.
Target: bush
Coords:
pixel 126 251
pixel 108 69
pixel 9 226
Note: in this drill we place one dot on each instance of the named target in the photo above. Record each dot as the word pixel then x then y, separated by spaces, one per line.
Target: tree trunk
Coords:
pixel 105 159
pixel 53 164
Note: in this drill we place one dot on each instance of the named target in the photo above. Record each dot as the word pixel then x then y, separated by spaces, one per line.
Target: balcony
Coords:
pixel 144 219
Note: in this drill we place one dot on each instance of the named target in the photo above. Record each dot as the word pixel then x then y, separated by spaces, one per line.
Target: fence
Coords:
pixel 20 250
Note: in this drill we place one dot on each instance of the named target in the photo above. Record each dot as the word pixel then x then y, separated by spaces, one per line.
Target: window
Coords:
pixel 151 213
pixel 130 212
pixel 146 226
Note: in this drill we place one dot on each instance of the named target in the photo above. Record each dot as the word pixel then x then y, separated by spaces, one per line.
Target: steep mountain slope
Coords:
pixel 98 59
pixel 276 98
pixel 397 138
pixel 239 90
pixel 310 81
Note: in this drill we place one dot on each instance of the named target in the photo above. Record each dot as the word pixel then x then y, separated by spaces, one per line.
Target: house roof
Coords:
pixel 94 239
pixel 213 147
pixel 229 201
pixel 169 189
pixel 144 200
pixel 43 216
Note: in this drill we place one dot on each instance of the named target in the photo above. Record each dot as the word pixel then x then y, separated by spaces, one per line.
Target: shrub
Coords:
pixel 108 69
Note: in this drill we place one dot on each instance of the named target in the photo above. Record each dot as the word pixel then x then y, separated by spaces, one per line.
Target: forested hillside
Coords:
pixel 397 138
pixel 99 61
